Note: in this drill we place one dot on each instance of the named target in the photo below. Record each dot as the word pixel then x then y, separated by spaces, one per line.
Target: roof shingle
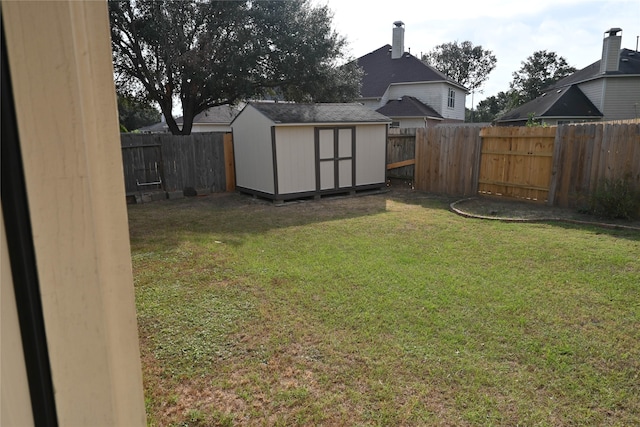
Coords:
pixel 408 106
pixel 318 113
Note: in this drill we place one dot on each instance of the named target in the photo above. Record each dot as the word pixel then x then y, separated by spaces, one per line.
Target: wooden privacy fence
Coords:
pixel 171 163
pixel 447 160
pixel 586 155
pixel 401 153
pixel 560 165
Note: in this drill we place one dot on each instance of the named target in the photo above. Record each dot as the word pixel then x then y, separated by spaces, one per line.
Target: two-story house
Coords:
pixel 407 90
pixel 608 89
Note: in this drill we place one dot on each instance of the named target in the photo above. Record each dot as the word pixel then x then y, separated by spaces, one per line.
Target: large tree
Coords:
pixel 463 62
pixel 540 71
pixel 205 53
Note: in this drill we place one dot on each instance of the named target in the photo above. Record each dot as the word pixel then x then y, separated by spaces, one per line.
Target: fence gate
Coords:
pixel 516 162
pixel 143 166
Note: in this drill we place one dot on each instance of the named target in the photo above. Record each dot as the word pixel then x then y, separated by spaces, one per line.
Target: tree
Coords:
pixel 493 107
pixel 464 63
pixel 540 71
pixel 205 53
pixel 135 114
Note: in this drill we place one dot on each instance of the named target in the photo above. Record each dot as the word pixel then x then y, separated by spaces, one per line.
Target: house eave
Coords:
pixel 417 117
pixel 279 124
pixel 432 82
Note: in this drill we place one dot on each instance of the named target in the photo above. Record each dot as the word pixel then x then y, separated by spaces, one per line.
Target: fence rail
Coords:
pixel 171 163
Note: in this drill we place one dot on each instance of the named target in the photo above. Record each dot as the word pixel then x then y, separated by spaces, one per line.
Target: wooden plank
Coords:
pixel 555 182
pixel 401 164
pixel 229 164
pixel 514 185
pixel 475 164
pixel 520 153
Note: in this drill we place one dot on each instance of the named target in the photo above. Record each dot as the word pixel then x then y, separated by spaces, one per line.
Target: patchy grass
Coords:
pixel 382 310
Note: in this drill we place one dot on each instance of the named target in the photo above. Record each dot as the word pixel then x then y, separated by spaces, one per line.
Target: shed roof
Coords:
pixel 290 113
pixel 408 106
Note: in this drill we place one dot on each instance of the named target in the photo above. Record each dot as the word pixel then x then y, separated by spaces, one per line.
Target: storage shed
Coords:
pixel 287 151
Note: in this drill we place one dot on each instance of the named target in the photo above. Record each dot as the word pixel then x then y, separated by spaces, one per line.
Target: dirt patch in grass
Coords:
pixel 513 210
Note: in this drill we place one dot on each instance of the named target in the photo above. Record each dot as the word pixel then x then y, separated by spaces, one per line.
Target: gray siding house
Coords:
pixel 288 151
pixel 608 89
pixel 410 92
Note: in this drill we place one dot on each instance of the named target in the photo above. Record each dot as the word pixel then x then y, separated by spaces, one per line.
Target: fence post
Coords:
pixel 229 166
pixel 555 165
pixel 475 175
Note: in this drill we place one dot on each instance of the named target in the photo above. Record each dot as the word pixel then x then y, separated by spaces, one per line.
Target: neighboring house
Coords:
pixel 288 151
pixel 608 89
pixel 215 119
pixel 410 92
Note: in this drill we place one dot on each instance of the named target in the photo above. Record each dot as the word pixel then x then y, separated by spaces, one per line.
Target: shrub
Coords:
pixel 615 198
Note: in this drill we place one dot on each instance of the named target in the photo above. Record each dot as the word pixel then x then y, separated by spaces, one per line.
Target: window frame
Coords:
pixel 451 98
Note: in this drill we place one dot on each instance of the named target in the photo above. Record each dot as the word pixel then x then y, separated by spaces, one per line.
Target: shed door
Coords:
pixel 335 158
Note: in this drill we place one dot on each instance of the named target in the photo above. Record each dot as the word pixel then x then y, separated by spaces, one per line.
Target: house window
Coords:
pixel 395 124
pixel 451 100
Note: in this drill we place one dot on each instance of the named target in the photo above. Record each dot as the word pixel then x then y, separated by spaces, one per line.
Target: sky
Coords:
pixel 513 31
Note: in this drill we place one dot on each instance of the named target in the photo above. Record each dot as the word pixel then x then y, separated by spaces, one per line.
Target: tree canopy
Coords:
pixel 540 71
pixel 494 106
pixel 134 113
pixel 207 53
pixel 463 62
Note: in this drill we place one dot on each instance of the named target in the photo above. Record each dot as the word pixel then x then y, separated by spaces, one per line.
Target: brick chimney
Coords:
pixel 611 50
pixel 397 48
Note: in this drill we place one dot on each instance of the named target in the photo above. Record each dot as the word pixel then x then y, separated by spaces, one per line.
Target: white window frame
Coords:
pixel 451 98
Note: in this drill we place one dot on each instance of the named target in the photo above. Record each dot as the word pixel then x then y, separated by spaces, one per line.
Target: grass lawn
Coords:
pixel 381 310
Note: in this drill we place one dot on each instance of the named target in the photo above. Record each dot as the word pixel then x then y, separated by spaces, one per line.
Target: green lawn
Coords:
pixel 382 310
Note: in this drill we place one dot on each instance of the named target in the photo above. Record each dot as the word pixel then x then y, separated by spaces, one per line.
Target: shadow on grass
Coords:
pixel 232 216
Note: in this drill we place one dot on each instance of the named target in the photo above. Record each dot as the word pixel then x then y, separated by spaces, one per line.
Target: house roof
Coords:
pixel 629 64
pixel 222 114
pixel 565 99
pixel 318 113
pixel 560 102
pixel 380 71
pixel 408 106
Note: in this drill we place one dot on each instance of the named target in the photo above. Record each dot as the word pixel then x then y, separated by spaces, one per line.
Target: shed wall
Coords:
pixel 295 155
pixel 371 149
pixel 253 151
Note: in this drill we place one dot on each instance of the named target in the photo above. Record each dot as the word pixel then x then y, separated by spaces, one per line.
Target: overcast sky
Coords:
pixel 574 29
